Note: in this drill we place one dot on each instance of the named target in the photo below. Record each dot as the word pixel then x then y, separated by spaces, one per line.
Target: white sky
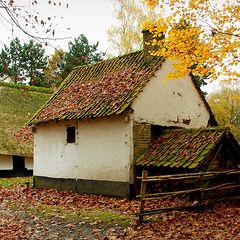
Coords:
pixel 89 17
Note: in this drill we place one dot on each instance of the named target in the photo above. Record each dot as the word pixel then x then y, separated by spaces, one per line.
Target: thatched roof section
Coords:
pixel 16 107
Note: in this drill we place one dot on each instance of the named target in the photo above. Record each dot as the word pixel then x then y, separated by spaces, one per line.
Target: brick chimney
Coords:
pixel 147 46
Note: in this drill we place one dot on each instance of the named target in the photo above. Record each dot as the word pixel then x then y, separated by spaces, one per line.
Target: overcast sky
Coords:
pixel 89 17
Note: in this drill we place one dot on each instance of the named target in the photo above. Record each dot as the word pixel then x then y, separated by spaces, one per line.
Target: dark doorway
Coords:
pixel 18 166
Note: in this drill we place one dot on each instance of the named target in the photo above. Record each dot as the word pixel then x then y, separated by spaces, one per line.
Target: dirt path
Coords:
pixel 50 214
pixel 20 224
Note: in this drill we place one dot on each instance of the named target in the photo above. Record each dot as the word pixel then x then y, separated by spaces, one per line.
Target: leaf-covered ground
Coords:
pixel 51 214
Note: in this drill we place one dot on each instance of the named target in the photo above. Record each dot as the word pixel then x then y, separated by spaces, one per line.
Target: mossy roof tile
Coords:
pixel 185 148
pixel 101 89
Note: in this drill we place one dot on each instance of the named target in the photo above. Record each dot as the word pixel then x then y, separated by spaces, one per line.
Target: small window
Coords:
pixel 71 134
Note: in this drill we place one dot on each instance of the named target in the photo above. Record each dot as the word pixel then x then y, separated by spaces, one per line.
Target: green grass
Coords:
pixel 86 215
pixel 15 181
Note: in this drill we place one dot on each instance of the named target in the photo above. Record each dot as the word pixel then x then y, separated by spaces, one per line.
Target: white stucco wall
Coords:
pixel 168 102
pixel 6 162
pixel 101 152
pixel 29 163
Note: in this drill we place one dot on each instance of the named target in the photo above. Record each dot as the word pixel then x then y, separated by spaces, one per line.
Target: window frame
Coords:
pixel 71 134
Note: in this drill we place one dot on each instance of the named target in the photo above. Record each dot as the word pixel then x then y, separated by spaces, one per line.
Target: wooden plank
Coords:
pixel 160 179
pixel 200 188
pixel 187 207
pixel 142 195
pixel 177 176
pixel 215 156
pixel 155 196
pixel 178 208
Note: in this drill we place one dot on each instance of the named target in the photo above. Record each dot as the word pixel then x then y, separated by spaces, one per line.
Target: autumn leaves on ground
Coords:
pixel 51 214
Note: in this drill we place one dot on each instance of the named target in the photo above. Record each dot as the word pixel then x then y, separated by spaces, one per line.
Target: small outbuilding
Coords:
pixel 190 150
pixel 17 104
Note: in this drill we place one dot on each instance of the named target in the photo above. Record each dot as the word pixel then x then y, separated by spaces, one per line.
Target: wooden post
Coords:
pixel 142 194
pixel 200 185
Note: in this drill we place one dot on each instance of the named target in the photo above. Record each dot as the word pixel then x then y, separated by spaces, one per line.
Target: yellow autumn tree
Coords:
pixel 125 35
pixel 202 36
pixel 52 70
pixel 225 105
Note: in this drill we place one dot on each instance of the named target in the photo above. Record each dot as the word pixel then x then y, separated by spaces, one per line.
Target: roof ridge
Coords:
pixel 109 59
pixel 197 129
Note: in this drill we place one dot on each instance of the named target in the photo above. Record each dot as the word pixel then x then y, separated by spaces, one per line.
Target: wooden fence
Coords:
pixel 231 185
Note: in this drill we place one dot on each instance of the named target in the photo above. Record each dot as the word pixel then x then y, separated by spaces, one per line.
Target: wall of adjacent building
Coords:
pixel 6 162
pixel 29 163
pixel 7 169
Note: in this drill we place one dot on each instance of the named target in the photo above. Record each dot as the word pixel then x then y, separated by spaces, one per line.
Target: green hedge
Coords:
pixel 26 87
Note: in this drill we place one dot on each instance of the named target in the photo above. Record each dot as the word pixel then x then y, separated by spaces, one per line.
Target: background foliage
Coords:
pixel 125 35
pixel 225 105
pixel 202 35
pixel 23 62
pixel 27 62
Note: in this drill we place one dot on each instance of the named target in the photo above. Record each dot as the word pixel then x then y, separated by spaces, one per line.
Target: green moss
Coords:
pixel 86 215
pixel 16 107
pixel 15 181
pixel 127 74
pixel 185 148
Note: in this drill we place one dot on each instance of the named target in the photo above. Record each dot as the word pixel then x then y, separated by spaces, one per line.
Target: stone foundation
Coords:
pixel 107 188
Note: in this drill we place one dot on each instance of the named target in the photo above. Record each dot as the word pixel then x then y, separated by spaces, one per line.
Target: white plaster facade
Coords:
pixel 101 152
pixel 170 102
pixel 6 162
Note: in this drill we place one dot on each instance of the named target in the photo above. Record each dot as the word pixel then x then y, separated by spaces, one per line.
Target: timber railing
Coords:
pixel 231 184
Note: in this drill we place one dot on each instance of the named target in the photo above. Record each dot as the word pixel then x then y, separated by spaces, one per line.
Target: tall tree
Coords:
pixel 214 23
pixel 53 70
pixel 125 36
pixel 23 62
pixel 33 63
pixel 10 61
pixel 225 104
pixel 79 53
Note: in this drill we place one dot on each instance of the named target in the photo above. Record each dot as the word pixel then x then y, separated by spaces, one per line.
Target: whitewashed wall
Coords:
pixel 6 162
pixel 101 152
pixel 170 102
pixel 29 163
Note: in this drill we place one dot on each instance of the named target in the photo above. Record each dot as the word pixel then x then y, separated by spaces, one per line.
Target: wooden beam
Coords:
pixel 142 195
pixel 156 196
pixel 189 175
pixel 214 157
pixel 187 207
